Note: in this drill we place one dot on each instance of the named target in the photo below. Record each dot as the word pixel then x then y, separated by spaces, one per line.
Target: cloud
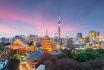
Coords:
pixel 5 30
pixel 38 23
pixel 12 15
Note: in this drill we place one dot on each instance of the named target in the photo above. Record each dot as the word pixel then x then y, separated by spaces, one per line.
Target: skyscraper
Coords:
pixel 94 34
pixel 97 34
pixel 79 35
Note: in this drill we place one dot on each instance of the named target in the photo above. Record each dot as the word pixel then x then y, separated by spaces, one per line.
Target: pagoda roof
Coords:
pixel 17 43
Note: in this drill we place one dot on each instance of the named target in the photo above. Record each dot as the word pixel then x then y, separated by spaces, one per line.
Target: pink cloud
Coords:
pixel 13 15
pixel 7 30
pixel 68 28
pixel 39 23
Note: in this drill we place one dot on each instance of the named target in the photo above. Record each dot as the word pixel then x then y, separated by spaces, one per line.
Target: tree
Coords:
pixel 85 56
pixel 66 53
pixel 100 51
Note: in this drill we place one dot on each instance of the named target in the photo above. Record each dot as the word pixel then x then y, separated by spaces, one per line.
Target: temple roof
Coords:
pixel 35 55
pixel 17 43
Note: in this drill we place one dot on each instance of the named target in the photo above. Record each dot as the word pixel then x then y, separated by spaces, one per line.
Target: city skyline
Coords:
pixel 33 17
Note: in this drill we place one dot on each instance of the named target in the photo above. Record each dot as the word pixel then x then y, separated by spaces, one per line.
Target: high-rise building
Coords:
pixel 94 34
pixel 4 40
pixel 56 38
pixel 79 35
pixel 32 37
pixel 97 34
pixel 70 43
pixel 85 39
pixel 21 37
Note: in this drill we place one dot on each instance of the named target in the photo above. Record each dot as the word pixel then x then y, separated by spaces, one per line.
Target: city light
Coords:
pixel 24 65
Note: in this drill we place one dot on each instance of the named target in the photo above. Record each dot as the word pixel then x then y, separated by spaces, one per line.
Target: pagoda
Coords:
pixel 46 43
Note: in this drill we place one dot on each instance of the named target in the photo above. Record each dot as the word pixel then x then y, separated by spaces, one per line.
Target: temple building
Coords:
pixel 18 45
pixel 46 43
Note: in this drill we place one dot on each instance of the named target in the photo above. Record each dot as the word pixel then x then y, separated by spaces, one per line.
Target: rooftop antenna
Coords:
pixel 59 18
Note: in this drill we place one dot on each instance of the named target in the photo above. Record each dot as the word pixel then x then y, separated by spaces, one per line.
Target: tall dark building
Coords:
pixel 97 34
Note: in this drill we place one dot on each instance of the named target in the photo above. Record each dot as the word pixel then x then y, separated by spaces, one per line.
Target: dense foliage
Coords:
pixel 71 60
pixel 88 54
pixel 54 63
pixel 100 51
pixel 66 53
pixel 85 56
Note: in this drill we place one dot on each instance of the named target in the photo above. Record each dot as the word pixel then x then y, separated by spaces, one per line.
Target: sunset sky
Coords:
pixel 24 17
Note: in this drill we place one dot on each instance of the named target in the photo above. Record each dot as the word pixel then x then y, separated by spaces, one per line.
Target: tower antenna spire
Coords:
pixel 59 18
pixel 46 31
pixel 59 27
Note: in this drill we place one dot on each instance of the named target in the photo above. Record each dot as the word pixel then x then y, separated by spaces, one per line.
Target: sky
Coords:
pixel 25 17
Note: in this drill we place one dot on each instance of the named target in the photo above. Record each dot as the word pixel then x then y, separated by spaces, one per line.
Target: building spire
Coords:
pixel 46 31
pixel 59 18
